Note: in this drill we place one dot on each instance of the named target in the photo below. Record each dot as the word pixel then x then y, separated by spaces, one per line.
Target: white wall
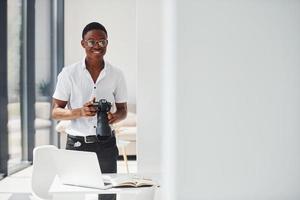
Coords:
pixel 119 18
pixel 123 27
pixel 238 100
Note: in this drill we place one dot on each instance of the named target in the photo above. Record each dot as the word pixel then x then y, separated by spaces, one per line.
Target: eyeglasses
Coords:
pixel 101 43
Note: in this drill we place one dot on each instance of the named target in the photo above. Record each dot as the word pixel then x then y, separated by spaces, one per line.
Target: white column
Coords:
pixel 238 92
pixel 149 85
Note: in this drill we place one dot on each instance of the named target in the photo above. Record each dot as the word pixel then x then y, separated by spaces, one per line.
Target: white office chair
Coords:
pixel 43 171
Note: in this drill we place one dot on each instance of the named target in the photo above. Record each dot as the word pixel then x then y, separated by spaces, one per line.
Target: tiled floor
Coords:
pixel 17 186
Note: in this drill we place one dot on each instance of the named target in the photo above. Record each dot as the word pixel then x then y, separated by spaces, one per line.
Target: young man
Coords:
pixel 78 86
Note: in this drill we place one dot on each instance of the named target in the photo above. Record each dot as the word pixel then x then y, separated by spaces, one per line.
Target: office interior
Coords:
pixel 215 86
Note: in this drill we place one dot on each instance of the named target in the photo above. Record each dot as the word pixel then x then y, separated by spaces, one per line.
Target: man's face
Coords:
pixel 95 44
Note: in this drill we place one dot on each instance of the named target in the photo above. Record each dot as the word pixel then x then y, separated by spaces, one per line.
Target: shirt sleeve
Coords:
pixel 63 87
pixel 120 92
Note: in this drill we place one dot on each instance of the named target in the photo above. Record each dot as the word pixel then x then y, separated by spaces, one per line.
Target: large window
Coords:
pixel 30 43
pixel 14 56
pixel 26 79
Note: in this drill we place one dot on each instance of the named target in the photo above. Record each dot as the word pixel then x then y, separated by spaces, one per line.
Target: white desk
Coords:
pixel 63 192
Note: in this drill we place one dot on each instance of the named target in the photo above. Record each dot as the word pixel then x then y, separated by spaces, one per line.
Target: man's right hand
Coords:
pixel 59 112
pixel 88 110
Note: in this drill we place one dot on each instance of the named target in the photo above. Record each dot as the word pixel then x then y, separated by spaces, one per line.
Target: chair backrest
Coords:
pixel 43 171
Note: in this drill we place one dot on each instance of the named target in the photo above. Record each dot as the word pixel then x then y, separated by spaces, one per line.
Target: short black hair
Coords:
pixel 93 26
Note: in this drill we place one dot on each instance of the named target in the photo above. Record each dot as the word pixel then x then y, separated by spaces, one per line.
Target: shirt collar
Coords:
pixel 105 69
pixel 83 66
pixel 103 72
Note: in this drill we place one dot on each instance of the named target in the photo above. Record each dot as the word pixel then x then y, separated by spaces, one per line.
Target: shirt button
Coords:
pixel 94 87
pixel 94 126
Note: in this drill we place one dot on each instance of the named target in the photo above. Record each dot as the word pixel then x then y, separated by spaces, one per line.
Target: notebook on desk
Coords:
pixel 79 168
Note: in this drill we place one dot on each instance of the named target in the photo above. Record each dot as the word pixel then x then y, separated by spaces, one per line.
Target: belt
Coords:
pixel 89 138
pixel 86 139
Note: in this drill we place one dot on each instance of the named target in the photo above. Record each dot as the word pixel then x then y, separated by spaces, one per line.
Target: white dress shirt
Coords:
pixel 75 85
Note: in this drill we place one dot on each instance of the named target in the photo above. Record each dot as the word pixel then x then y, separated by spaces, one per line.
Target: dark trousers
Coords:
pixel 107 154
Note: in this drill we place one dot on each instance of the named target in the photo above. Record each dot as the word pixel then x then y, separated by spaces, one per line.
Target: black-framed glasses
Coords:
pixel 101 43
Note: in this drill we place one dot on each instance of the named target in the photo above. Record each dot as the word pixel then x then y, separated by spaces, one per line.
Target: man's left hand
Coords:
pixel 112 118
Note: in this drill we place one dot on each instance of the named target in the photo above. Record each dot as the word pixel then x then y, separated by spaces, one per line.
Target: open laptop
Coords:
pixel 79 168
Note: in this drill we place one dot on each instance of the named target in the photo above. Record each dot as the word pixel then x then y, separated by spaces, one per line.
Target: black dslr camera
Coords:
pixel 103 128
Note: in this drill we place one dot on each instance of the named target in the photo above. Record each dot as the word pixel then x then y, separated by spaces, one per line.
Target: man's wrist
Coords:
pixel 77 112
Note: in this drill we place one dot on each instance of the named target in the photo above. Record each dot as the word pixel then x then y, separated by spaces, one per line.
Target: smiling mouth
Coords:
pixel 96 52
